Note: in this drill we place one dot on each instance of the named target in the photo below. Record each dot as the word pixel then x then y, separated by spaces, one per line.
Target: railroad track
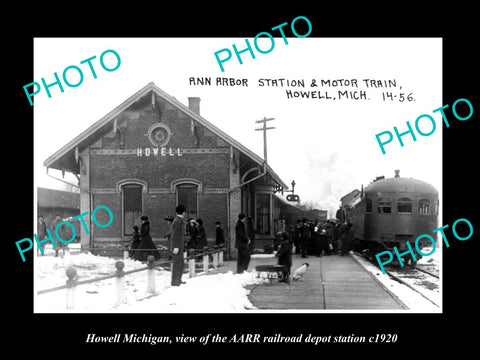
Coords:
pixel 414 282
pixel 420 268
pixel 424 279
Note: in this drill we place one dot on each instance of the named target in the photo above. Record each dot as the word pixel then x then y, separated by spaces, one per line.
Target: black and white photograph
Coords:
pixel 290 180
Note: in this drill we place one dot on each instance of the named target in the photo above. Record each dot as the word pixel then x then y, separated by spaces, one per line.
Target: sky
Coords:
pixel 327 146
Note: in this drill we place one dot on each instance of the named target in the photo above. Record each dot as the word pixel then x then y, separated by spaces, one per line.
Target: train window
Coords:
pixel 368 205
pixel 404 206
pixel 384 205
pixel 424 206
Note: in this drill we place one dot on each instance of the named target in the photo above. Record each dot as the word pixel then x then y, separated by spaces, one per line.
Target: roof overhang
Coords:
pixel 66 158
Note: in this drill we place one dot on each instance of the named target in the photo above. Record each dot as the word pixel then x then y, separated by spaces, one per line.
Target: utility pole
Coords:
pixel 264 129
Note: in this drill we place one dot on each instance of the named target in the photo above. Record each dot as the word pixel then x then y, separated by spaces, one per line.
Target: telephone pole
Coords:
pixel 264 129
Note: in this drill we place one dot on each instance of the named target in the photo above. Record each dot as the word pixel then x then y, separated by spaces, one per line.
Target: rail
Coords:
pixel 72 281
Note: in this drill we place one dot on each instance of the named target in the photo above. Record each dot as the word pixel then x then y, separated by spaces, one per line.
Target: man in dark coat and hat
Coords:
pixel 219 234
pixel 241 243
pixel 284 255
pixel 177 241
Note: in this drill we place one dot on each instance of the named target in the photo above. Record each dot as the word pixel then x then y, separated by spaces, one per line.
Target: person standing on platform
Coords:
pixel 192 230
pixel 53 226
pixel 241 243
pixel 135 241
pixel 284 255
pixel 306 236
pixel 219 234
pixel 178 246
pixel 297 237
pixel 201 235
pixel 41 230
pixel 346 236
pixel 168 234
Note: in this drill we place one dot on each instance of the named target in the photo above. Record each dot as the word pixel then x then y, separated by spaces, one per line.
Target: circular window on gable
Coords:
pixel 159 134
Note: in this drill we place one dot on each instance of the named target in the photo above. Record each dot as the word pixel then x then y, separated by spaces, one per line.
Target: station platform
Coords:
pixel 331 283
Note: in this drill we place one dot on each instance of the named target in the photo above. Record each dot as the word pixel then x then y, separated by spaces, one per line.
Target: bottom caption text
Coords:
pixel 239 338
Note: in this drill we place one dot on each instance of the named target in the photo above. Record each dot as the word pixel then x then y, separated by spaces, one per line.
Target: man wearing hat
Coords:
pixel 177 242
pixel 241 243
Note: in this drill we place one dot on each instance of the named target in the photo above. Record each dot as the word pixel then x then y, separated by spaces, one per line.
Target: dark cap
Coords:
pixel 180 209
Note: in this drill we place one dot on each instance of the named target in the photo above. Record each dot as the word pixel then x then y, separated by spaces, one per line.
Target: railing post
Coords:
pixel 120 283
pixel 151 275
pixel 205 259
pixel 191 262
pixel 220 256
pixel 71 287
pixel 215 256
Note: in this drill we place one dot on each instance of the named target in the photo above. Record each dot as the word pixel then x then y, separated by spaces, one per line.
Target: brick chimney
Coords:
pixel 194 104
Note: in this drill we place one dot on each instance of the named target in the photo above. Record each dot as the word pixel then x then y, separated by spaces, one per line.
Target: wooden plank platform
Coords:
pixel 331 282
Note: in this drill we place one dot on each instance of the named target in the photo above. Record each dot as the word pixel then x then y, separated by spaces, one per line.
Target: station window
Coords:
pixel 132 207
pixel 187 196
pixel 262 202
pixel 424 206
pixel 368 205
pixel 384 205
pixel 404 206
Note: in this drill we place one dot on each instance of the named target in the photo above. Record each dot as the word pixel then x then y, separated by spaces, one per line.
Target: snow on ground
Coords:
pixel 223 292
pixel 262 256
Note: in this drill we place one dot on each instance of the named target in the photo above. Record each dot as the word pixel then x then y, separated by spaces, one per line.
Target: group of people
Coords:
pixel 143 246
pixel 318 238
pixel 312 237
pixel 193 228
pixel 175 236
pixel 64 232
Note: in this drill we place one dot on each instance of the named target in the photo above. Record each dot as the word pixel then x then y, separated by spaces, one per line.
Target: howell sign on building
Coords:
pixel 152 153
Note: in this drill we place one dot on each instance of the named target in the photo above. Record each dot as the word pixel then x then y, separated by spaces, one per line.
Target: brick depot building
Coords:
pixel 152 153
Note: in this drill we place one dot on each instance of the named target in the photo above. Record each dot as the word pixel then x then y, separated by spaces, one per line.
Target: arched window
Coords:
pixel 187 195
pixel 368 205
pixel 424 206
pixel 132 201
pixel 384 205
pixel 404 206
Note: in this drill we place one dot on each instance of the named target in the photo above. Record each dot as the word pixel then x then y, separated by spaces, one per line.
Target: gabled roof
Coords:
pixel 347 199
pixel 66 155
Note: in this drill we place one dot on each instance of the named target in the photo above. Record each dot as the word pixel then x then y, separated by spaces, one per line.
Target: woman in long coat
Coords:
pixel 192 230
pixel 135 241
pixel 146 242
